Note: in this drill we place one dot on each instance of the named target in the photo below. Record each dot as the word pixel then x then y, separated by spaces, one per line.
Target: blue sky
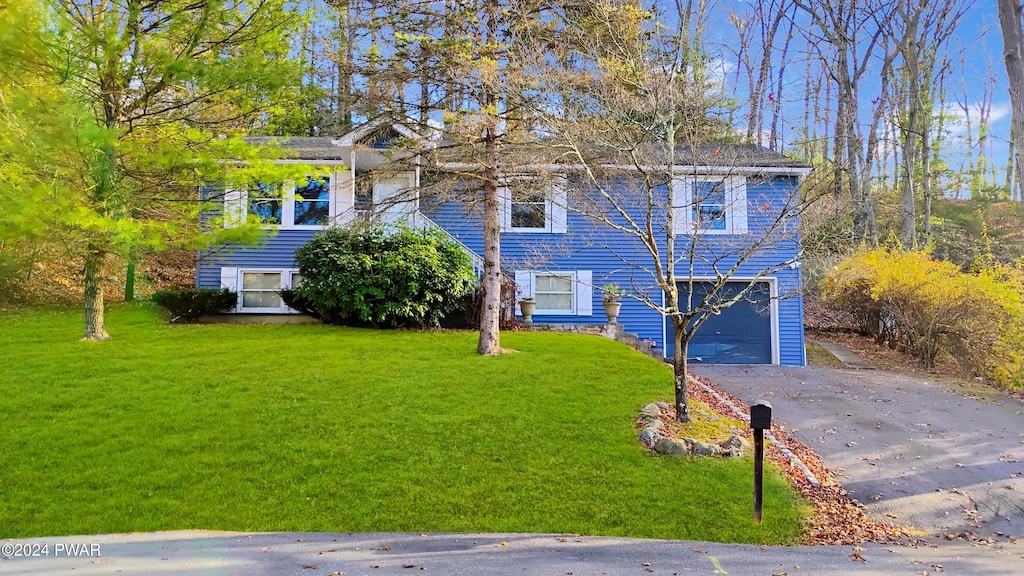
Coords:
pixel 981 78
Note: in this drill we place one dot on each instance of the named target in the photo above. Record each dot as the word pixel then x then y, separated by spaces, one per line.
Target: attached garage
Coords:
pixel 744 333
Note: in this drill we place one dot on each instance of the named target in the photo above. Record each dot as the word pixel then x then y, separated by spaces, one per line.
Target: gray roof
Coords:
pixel 747 155
pixel 705 155
pixel 305 148
pixel 698 156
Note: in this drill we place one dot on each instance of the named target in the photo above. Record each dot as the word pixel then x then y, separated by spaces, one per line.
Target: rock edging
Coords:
pixel 652 436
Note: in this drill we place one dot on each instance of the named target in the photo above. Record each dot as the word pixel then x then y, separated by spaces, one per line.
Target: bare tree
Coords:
pixel 847 42
pixel 1013 55
pixel 638 122
pixel 921 29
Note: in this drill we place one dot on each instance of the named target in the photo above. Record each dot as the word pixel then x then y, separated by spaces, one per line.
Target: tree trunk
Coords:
pixel 681 370
pixel 926 176
pixel 908 222
pixel 1011 189
pixel 95 259
pixel 490 318
pixel 1013 54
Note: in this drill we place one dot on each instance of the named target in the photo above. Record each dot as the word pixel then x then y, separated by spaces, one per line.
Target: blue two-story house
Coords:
pixel 556 243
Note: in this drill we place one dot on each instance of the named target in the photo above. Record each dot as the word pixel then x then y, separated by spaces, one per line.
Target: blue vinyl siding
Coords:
pixel 600 250
pixel 587 246
pixel 274 252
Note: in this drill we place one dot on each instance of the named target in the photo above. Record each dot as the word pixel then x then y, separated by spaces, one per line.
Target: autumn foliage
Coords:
pixel 932 308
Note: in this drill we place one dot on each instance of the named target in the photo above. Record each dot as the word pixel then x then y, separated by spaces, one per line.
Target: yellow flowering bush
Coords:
pixel 930 308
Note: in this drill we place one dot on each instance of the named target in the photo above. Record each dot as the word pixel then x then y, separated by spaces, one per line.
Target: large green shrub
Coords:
pixel 384 277
pixel 932 308
pixel 190 303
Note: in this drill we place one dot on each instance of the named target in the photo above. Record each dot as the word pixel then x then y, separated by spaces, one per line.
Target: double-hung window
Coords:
pixel 558 293
pixel 710 204
pixel 259 289
pixel 534 205
pixel 554 293
pixel 530 209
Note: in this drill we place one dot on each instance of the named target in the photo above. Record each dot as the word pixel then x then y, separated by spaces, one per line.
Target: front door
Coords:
pixel 395 198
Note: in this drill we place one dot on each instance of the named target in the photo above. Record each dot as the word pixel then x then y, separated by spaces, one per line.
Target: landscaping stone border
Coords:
pixel 653 437
pixel 793 458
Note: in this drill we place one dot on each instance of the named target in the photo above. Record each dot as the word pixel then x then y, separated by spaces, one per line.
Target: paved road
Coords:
pixel 217 554
pixel 940 462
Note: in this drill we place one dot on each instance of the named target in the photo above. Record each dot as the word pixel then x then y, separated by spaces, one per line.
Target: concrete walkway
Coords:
pixel 848 359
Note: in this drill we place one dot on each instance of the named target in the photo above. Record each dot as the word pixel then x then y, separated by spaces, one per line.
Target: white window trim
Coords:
pixel 236 206
pixel 555 210
pixel 286 282
pixel 735 204
pixel 582 291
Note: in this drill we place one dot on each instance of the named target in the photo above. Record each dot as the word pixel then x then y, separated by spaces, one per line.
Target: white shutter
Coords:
pixel 287 204
pixel 235 207
pixel 229 278
pixel 343 198
pixel 584 293
pixel 681 204
pixel 559 212
pixel 505 207
pixel 524 281
pixel 229 281
pixel 738 196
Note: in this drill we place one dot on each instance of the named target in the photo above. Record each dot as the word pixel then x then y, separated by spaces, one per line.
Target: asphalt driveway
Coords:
pixel 915 452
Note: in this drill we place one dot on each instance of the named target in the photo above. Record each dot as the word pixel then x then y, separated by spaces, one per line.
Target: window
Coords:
pixel 265 203
pixel 710 205
pixel 554 292
pixel 363 203
pixel 558 293
pixel 313 202
pixel 529 209
pixel 259 289
pixel 307 204
pixel 534 205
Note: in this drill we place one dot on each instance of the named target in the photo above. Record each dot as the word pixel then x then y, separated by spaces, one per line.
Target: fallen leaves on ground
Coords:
pixel 837 519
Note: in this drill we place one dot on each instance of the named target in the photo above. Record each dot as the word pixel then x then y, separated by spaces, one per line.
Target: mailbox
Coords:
pixel 761 416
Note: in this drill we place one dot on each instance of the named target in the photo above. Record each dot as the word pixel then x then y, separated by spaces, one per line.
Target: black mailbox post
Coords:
pixel 761 416
pixel 760 420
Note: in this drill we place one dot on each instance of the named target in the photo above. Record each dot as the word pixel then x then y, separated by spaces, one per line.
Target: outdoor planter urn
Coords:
pixel 528 305
pixel 612 301
pixel 611 308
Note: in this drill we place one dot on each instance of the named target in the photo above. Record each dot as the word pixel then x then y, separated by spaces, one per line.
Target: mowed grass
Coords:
pixel 320 428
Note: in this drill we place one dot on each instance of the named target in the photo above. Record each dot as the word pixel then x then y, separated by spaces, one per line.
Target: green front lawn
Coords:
pixel 320 428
